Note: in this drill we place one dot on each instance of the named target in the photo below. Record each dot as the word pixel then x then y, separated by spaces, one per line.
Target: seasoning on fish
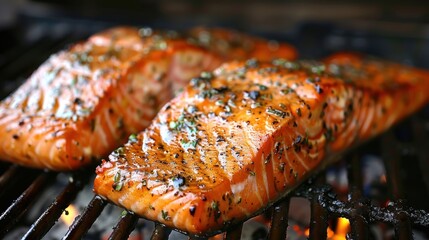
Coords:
pixel 85 101
pixel 237 140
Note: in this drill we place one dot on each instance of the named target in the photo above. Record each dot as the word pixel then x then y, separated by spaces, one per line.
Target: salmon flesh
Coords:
pixel 85 101
pixel 240 138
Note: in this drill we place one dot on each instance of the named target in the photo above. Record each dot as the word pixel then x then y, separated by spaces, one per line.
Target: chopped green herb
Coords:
pixel 192 109
pixel 276 112
pixel 267 96
pixel 252 63
pixel 252 173
pixel 173 125
pixel 120 123
pixel 83 112
pixel 231 103
pixel 117 182
pixel 262 87
pixel 132 138
pixel 255 105
pixel 291 65
pixel 241 73
pixel 287 91
pixel 123 213
pixel 279 62
pixel 206 75
pixel 214 205
pixel 165 215
pixel 286 64
pixel 282 167
pixel 318 69
pixel 73 81
pixel 160 45
pixel 227 109
pixel 219 103
pixel 120 150
pixel 310 80
pixel 189 145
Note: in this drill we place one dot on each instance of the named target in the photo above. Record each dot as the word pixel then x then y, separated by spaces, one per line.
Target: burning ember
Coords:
pixel 340 233
pixel 69 215
pixel 343 227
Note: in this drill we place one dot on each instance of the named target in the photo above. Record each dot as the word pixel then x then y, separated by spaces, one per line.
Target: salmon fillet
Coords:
pixel 237 140
pixel 83 102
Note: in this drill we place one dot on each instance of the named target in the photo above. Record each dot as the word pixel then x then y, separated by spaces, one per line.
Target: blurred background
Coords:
pixel 397 30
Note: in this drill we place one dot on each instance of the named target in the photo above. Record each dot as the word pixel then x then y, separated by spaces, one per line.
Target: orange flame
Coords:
pixel 69 215
pixel 343 227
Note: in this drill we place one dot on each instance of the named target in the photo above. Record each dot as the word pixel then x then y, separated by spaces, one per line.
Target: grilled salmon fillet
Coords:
pixel 238 139
pixel 83 102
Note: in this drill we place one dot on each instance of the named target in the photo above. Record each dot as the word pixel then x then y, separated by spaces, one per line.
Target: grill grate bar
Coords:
pixel 360 227
pixel 318 218
pixel 45 222
pixel 234 233
pixel 391 160
pixel 403 229
pixel 390 155
pixel 8 177
pixel 82 223
pixel 279 221
pixel 11 216
pixel 161 232
pixel 422 145
pixel 124 227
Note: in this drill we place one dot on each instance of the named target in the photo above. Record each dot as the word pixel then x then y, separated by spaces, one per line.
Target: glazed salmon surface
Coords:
pixel 85 101
pixel 238 139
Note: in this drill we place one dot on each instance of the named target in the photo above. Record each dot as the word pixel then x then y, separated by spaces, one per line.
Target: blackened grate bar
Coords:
pixel 160 232
pixel 11 216
pixel 7 178
pixel 83 222
pixel 279 220
pixel 422 146
pixel 319 215
pixel 124 227
pixel 358 217
pixel 234 233
pixel 45 222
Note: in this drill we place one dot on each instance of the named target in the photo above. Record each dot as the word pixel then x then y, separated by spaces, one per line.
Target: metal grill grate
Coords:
pixel 20 187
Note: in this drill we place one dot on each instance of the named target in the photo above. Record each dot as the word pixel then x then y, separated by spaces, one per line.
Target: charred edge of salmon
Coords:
pixel 332 151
